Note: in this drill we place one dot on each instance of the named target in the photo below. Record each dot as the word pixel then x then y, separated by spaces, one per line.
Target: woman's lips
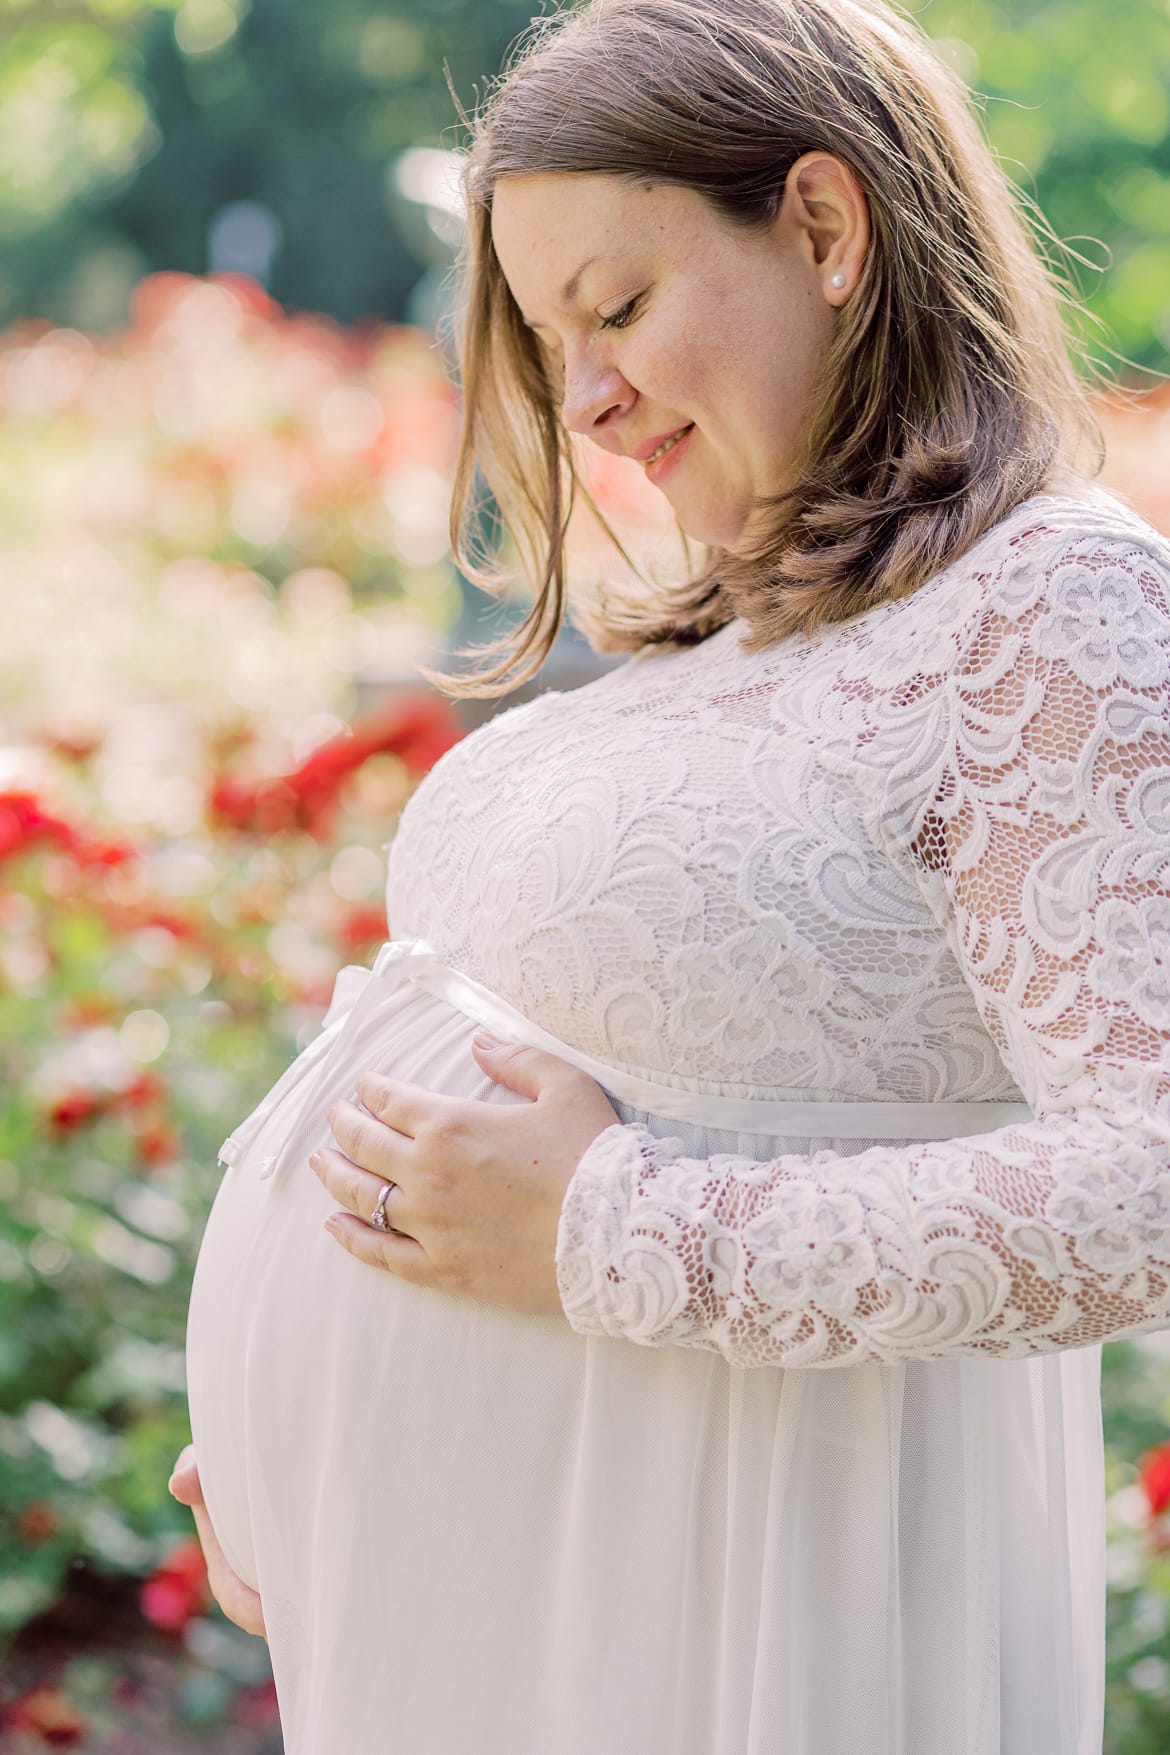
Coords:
pixel 662 465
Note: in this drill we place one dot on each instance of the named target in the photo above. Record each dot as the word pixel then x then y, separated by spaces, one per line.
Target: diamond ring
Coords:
pixel 378 1218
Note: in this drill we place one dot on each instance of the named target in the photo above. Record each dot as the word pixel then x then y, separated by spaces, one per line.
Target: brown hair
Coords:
pixel 947 395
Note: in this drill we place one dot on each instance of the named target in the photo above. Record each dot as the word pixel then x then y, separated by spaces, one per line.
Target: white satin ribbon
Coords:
pixel 354 1009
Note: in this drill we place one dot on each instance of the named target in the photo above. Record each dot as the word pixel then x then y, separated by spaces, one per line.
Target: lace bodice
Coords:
pixel 921 855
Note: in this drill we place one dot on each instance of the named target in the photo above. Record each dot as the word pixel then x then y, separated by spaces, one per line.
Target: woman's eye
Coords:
pixel 622 318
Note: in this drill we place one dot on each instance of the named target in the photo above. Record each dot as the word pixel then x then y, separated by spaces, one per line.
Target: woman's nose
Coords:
pixel 595 393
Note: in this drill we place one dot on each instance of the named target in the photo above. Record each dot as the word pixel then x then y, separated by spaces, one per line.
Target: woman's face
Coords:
pixel 665 321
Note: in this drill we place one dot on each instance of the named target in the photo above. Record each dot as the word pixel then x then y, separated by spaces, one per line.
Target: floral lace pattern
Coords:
pixel 922 855
pixel 1030 805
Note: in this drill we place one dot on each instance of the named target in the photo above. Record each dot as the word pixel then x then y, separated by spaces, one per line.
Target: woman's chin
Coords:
pixel 711 530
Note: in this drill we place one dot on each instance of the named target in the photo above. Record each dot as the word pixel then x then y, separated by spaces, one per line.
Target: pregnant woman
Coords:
pixel 712 1366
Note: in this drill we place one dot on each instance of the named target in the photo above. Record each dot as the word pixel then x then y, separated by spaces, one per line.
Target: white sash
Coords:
pixel 357 996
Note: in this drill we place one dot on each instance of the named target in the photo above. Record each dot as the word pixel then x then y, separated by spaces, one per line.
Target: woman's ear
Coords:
pixel 825 208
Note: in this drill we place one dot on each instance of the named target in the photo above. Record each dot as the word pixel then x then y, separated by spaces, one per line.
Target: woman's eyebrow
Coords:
pixel 568 291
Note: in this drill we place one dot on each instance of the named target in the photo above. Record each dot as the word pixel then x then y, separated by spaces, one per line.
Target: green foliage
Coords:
pixel 1076 100
pixel 128 128
pixel 298 107
pixel 1136 1407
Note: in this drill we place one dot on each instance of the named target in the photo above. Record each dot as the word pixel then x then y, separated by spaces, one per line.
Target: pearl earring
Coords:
pixel 838 280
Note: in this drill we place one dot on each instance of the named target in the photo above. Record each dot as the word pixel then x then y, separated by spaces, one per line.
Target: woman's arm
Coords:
pixel 1034 814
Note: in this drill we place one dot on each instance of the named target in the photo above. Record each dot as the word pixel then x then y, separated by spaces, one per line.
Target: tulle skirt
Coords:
pixel 477 1533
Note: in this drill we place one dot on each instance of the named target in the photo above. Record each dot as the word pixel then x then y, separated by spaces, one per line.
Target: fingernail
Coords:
pixel 483 1040
pixel 314 1160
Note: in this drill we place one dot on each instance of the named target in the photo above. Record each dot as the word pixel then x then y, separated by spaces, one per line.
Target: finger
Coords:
pixel 401 1107
pixel 356 1189
pixel 389 1250
pixel 184 1483
pixel 528 1071
pixel 239 1602
pixel 368 1141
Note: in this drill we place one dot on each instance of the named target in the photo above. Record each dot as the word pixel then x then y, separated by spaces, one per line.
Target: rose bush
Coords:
pixel 223 539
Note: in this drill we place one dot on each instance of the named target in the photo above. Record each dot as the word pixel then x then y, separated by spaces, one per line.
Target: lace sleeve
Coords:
pixel 1034 816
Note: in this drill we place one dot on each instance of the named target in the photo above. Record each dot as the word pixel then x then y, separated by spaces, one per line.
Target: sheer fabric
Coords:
pixel 1018 752
pixel 917 858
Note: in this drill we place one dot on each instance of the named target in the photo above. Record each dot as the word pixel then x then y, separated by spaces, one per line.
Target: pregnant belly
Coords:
pixel 298 1355
pixel 485 1495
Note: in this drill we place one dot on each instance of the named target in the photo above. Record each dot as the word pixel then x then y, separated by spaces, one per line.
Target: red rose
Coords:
pixel 175 924
pixel 146 1088
pixel 177 1591
pixel 48 1713
pixel 1154 1478
pixel 75 746
pixel 23 822
pixel 363 927
pixel 103 853
pixel 229 802
pixel 74 1110
pixel 157 1144
pixel 36 1523
pixel 417 728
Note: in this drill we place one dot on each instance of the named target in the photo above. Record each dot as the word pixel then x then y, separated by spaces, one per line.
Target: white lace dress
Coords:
pixel 814 1465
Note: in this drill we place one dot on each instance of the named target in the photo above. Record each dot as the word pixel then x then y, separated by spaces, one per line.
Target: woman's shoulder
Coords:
pixel 1076 568
pixel 1083 511
pixel 1080 545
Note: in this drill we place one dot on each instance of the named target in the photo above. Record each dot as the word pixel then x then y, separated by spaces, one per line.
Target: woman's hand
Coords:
pixel 237 1600
pixel 475 1188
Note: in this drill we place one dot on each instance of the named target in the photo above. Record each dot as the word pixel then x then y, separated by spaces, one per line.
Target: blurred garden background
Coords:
pixel 227 428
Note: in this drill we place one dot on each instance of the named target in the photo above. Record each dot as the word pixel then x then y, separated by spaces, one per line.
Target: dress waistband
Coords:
pixel 357 994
